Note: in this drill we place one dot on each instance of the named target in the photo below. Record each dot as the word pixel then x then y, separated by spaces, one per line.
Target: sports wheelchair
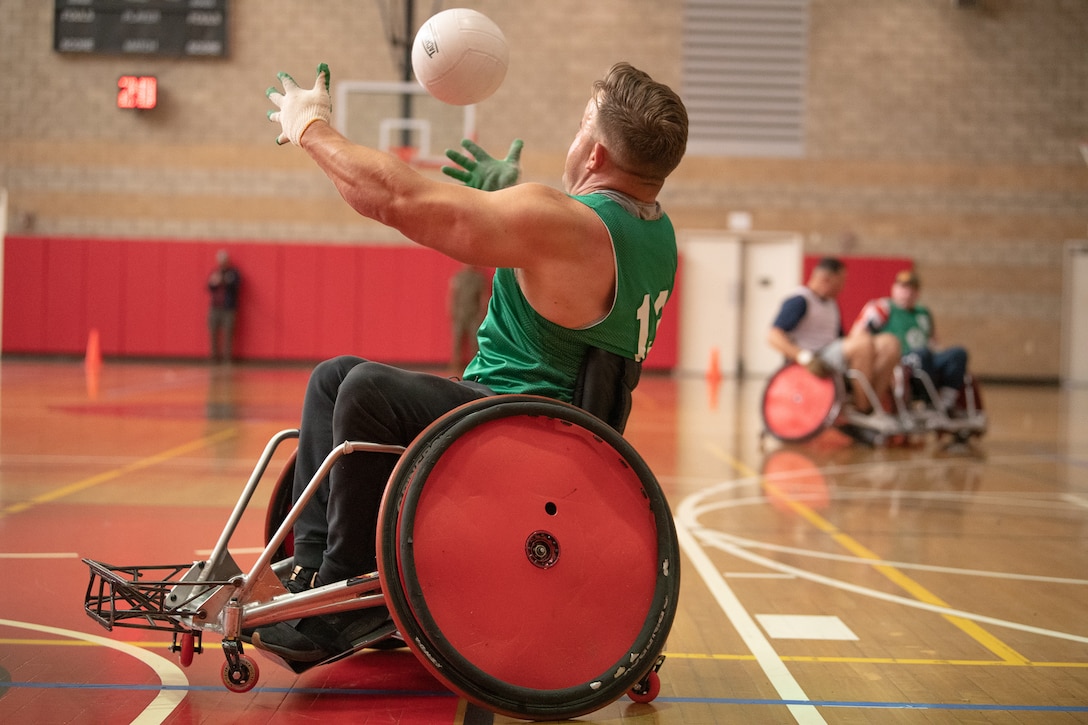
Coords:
pixel 526 554
pixel 798 405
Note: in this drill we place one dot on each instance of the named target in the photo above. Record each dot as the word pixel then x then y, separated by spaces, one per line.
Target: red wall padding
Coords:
pixel 297 301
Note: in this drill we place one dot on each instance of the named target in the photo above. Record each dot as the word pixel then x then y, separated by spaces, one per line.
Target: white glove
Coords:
pixel 814 364
pixel 300 107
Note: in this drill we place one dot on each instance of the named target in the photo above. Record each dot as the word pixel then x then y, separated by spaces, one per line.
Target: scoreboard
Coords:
pixel 141 27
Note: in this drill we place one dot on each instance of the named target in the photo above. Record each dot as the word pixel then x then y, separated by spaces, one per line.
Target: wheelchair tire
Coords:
pixel 797 405
pixel 529 557
pixel 279 505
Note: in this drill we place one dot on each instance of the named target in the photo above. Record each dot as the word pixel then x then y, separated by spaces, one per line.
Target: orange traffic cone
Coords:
pixel 92 363
pixel 713 371
pixel 713 377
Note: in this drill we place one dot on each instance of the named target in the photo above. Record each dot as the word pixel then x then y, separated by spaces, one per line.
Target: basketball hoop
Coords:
pixel 405 153
pixel 373 113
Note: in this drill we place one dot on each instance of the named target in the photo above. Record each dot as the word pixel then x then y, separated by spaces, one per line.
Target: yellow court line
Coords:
pixel 971 629
pixel 63 491
pixel 462 710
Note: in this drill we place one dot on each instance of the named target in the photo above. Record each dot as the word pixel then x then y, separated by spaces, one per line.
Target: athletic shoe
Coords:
pixel 301 579
pixel 318 638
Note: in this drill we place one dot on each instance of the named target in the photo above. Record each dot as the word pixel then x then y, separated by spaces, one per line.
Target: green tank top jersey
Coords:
pixel 914 327
pixel 521 352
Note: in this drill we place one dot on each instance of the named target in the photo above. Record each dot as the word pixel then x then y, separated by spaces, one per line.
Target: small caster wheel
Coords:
pixel 241 675
pixel 647 689
pixel 188 646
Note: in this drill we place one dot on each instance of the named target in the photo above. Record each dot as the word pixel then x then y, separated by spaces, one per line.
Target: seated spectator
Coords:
pixel 912 325
pixel 808 330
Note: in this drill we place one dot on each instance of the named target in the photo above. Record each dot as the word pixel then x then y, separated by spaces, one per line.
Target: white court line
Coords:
pixel 772 665
pixel 696 505
pixel 241 550
pixel 721 542
pixel 1075 500
pixel 58 460
pixel 959 571
pixel 996 500
pixel 165 702
pixel 818 627
pixel 34 555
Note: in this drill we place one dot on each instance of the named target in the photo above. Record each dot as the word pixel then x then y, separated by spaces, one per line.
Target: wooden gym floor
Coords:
pixel 821 583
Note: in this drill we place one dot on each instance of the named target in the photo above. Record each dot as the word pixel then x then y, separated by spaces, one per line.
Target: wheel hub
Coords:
pixel 542 549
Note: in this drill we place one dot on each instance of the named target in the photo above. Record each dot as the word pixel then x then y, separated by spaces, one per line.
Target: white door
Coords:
pixel 710 280
pixel 1075 316
pixel 772 269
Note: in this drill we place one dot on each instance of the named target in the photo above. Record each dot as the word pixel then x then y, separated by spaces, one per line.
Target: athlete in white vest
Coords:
pixel 808 330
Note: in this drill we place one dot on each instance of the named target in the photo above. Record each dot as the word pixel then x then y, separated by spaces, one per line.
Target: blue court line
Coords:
pixel 859 704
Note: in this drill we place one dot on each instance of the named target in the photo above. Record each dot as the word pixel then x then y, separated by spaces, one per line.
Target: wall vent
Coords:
pixel 745 65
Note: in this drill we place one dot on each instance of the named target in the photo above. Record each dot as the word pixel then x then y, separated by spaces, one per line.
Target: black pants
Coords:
pixel 349 398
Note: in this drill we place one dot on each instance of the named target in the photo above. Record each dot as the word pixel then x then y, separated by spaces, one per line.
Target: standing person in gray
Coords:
pixel 470 289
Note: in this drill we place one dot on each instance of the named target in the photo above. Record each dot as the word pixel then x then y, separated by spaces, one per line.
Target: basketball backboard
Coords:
pixel 400 116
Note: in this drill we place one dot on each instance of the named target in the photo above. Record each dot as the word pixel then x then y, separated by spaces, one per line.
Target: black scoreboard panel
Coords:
pixel 141 27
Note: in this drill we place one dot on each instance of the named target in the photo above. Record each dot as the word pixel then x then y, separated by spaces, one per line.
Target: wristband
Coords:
pixel 804 357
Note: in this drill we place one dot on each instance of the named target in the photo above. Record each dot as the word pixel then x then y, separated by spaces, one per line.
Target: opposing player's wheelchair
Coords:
pixel 798 405
pixel 526 554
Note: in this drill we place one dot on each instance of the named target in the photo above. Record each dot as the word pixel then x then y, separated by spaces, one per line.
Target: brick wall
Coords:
pixel 935 132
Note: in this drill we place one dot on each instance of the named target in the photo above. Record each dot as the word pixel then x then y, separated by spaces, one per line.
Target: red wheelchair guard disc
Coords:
pixel 533 627
pixel 797 404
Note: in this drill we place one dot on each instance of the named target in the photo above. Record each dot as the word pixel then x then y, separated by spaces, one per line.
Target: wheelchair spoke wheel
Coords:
pixel 798 405
pixel 529 557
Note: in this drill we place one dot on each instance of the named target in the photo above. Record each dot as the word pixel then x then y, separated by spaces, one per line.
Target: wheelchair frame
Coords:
pixel 215 595
pixel 786 418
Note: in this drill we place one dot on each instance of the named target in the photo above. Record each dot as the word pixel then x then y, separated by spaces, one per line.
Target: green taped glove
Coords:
pixel 300 107
pixel 480 171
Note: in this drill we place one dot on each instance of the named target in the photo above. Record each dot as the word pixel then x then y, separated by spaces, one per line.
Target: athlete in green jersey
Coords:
pixel 590 266
pixel 912 326
pixel 523 352
pixel 901 315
